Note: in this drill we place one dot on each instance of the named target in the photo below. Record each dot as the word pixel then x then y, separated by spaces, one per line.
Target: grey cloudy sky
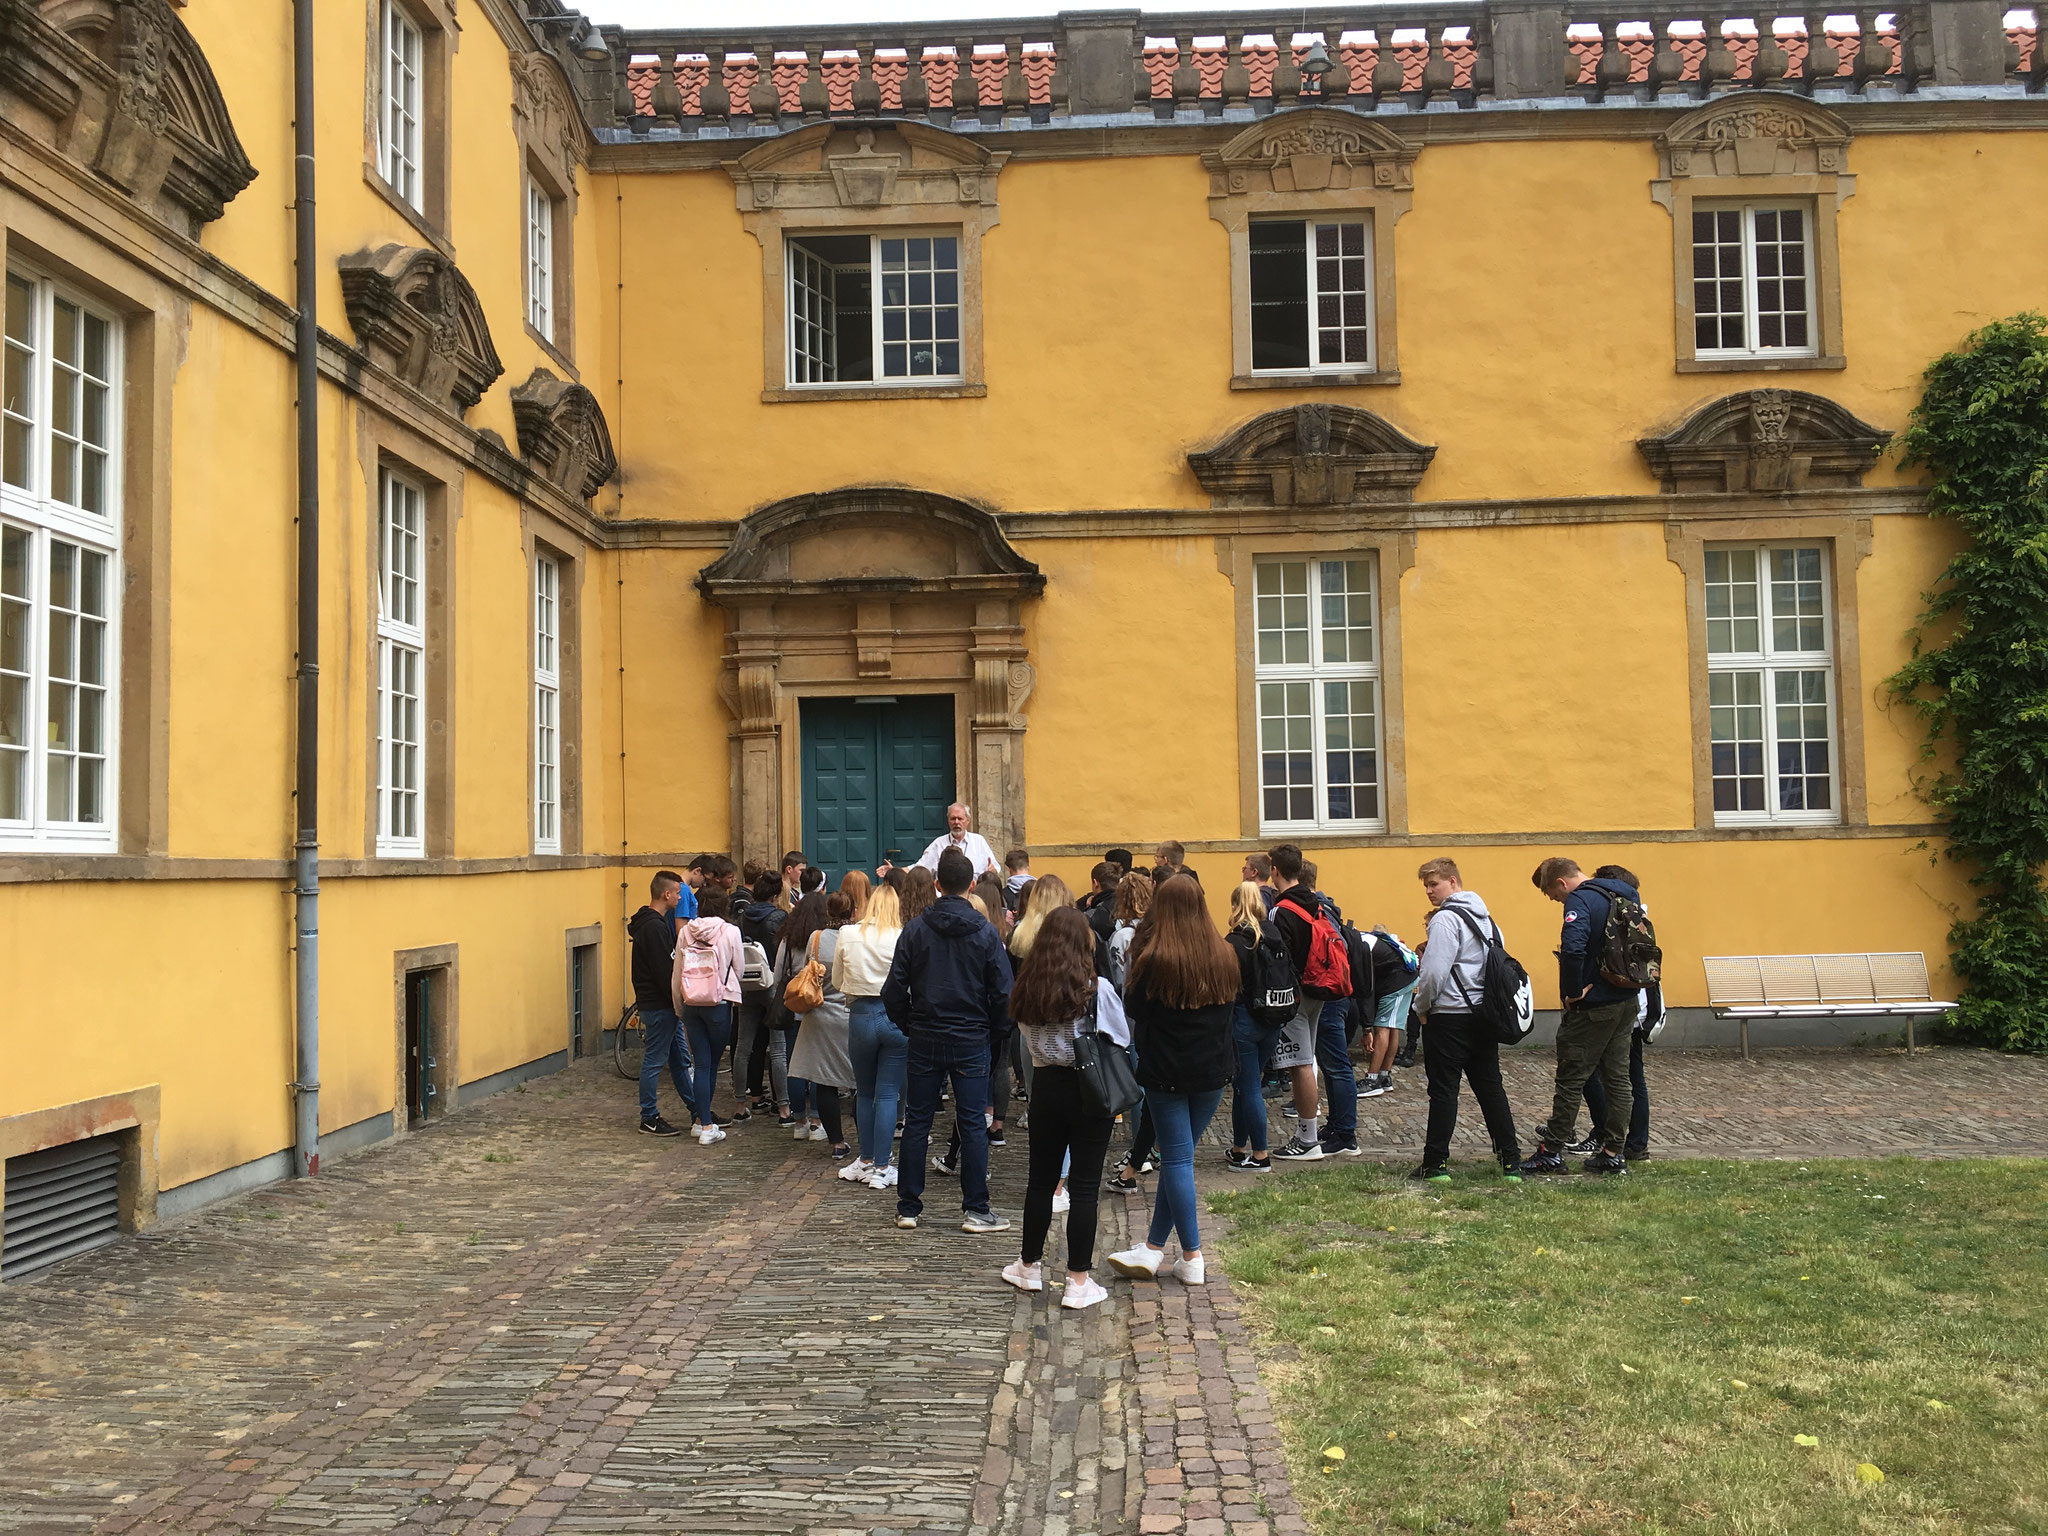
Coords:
pixel 731 14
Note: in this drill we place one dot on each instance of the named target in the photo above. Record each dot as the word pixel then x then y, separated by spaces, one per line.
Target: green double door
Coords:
pixel 877 778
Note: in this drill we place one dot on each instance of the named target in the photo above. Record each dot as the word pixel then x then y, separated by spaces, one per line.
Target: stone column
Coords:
pixel 1003 680
pixel 757 734
pixel 1529 57
pixel 1969 41
pixel 1099 47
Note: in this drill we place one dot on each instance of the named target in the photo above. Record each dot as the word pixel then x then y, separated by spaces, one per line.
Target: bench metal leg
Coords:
pixel 1909 1034
pixel 1742 1026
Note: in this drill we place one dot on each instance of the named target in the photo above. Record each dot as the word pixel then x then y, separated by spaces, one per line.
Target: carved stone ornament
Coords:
pixel 1756 133
pixel 1764 440
pixel 562 433
pixel 1313 456
pixel 122 88
pixel 1314 149
pixel 869 165
pixel 415 314
pixel 549 123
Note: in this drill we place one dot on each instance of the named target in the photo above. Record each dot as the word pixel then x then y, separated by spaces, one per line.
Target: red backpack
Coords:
pixel 1327 971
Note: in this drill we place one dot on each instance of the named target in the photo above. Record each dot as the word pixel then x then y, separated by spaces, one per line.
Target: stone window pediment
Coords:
pixel 563 435
pixel 1314 149
pixel 1764 440
pixel 129 94
pixel 1762 134
pixel 1313 455
pixel 892 166
pixel 417 317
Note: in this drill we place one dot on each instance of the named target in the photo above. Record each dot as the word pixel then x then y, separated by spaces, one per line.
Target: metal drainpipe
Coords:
pixel 306 848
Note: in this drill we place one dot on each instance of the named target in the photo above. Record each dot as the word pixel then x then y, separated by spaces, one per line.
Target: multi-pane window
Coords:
pixel 874 308
pixel 398 106
pixel 401 668
pixel 1770 684
pixel 540 258
pixel 1752 284
pixel 1317 680
pixel 1311 295
pixel 59 564
pixel 547 705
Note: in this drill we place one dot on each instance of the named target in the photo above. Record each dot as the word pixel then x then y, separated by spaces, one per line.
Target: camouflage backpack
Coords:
pixel 1629 956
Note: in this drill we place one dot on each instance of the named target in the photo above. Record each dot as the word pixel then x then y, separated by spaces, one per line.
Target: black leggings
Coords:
pixel 825 1100
pixel 1061 1124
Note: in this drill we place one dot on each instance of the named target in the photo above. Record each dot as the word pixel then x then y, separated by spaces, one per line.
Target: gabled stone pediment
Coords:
pixel 868 539
pixel 1764 440
pixel 1313 455
pixel 1756 133
pixel 128 94
pixel 1314 149
pixel 416 315
pixel 562 433
pixel 877 165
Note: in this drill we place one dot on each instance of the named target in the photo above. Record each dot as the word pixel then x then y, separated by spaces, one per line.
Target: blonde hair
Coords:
pixel 1048 893
pixel 1133 896
pixel 978 904
pixel 1247 907
pixel 884 912
pixel 1438 869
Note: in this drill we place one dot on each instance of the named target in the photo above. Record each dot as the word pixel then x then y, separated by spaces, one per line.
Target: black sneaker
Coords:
pixel 658 1127
pixel 1238 1159
pixel 995 1139
pixel 1150 1164
pixel 1636 1154
pixel 945 1165
pixel 1431 1173
pixel 1586 1147
pixel 1349 1148
pixel 1121 1177
pixel 1606 1162
pixel 1300 1151
pixel 1405 1057
pixel 1542 1160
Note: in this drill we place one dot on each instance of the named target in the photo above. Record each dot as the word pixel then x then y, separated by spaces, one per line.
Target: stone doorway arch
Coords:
pixel 872 590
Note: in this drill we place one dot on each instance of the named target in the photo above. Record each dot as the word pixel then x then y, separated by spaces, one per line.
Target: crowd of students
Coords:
pixel 958 978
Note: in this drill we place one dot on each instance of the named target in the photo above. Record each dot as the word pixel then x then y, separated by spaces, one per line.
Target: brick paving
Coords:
pixel 530 1319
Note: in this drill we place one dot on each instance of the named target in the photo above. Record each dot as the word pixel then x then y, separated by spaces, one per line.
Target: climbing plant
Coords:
pixel 1979 673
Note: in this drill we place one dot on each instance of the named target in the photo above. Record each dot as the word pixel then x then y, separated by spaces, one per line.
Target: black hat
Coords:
pixel 1120 857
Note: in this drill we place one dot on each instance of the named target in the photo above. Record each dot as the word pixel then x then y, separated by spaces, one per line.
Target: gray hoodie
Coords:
pixel 1452 943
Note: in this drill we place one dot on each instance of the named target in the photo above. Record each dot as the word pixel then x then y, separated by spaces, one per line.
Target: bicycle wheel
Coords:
pixel 627 1041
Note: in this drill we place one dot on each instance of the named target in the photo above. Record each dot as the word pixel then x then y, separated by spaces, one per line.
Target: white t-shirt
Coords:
pixel 973 844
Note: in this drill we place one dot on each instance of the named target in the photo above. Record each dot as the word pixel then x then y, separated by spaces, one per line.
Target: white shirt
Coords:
pixel 973 844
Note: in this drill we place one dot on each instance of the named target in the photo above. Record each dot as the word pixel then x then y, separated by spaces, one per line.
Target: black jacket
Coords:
pixel 653 937
pixel 950 980
pixel 1297 930
pixel 1099 907
pixel 759 922
pixel 1585 934
pixel 1180 1050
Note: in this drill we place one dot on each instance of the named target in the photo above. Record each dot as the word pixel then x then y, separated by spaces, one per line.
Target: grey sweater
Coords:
pixel 1453 954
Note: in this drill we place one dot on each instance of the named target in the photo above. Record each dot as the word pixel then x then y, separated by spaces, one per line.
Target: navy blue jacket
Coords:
pixel 950 980
pixel 1585 933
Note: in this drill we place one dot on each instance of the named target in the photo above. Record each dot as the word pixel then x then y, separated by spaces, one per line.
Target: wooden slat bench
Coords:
pixel 1878 986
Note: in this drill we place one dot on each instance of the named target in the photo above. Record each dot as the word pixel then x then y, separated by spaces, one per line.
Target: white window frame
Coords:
pixel 1315 672
pixel 1751 327
pixel 540 258
pixel 547 704
pixel 401 650
pixel 1770 662
pixel 1316 363
pixel 40 522
pixel 800 264
pixel 401 93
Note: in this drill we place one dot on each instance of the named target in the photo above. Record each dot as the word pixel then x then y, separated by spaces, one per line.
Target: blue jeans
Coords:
pixel 1247 1104
pixel 1180 1119
pixel 1333 1055
pixel 928 1065
pixel 665 1048
pixel 710 1031
pixel 879 1053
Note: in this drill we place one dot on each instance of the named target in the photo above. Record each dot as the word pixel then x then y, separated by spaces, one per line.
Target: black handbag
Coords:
pixel 1109 1086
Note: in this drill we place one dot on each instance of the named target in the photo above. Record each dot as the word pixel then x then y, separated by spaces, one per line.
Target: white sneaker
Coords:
pixel 800 1132
pixel 857 1171
pixel 1023 1276
pixel 707 1134
pixel 1061 1201
pixel 1139 1263
pixel 1189 1271
pixel 1086 1294
pixel 817 1133
pixel 882 1178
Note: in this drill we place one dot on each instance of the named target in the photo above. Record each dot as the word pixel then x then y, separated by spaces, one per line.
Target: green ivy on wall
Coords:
pixel 1979 673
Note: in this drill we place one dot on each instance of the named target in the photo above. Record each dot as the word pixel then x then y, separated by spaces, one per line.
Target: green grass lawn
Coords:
pixel 1576 1357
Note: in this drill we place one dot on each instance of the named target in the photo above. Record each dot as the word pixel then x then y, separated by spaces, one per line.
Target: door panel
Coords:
pixel 876 778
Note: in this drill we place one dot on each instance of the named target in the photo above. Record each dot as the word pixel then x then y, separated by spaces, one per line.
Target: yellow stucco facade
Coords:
pixel 1036 542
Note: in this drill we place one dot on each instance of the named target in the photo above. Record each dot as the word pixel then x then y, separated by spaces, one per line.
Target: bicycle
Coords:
pixel 628 1041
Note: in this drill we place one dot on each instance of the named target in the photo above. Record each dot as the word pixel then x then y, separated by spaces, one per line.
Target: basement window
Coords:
pixel 874 308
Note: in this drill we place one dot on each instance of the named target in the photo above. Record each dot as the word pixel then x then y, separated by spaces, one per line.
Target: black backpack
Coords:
pixel 1364 982
pixel 1270 996
pixel 1506 1004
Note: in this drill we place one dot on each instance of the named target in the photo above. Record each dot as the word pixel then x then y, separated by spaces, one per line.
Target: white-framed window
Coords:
pixel 1311 295
pixel 59 568
pixel 401 668
pixel 1317 688
pixel 398 106
pixel 1771 684
pixel 540 258
pixel 874 308
pixel 547 704
pixel 1752 280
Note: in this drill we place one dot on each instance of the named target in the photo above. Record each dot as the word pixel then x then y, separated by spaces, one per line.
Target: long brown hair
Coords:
pixel 1133 896
pixel 854 887
pixel 1178 956
pixel 1055 981
pixel 920 890
pixel 806 918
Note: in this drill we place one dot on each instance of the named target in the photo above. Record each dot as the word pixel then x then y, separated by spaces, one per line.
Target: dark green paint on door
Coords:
pixel 877 779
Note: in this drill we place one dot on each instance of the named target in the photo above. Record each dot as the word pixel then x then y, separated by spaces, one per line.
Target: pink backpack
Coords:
pixel 702 986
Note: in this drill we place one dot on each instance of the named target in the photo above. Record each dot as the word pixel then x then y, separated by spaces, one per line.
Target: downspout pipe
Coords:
pixel 306 797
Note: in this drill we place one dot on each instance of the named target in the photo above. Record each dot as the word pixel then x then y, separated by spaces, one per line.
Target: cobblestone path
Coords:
pixel 529 1318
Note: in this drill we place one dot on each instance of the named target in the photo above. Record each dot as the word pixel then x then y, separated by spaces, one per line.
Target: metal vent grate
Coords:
pixel 60 1201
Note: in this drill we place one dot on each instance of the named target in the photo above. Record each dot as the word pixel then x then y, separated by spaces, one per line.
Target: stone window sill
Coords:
pixel 552 349
pixel 1304 379
pixel 1757 364
pixel 786 395
pixel 418 220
